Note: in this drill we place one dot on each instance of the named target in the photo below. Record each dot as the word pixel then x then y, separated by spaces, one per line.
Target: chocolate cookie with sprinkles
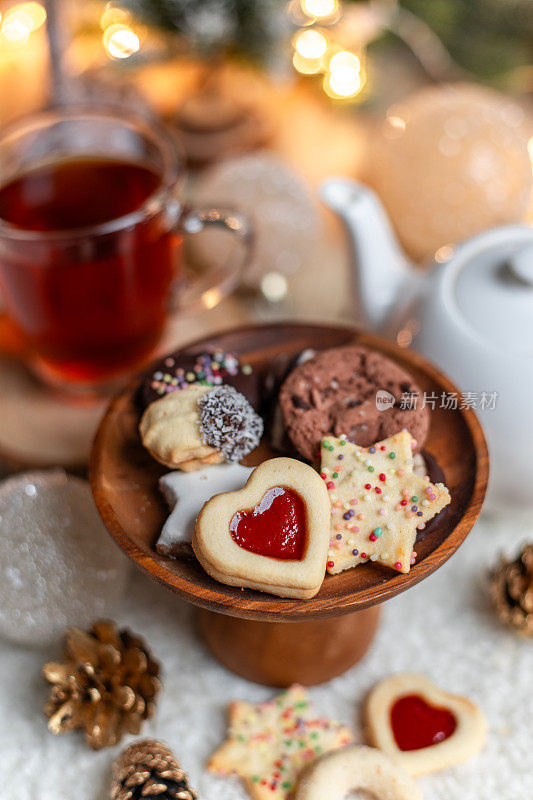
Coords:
pixel 211 367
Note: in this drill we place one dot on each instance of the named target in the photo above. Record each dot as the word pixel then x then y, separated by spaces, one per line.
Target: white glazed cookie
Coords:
pixel 378 502
pixel 170 430
pixel 335 774
pixel 270 743
pixel 433 716
pixel 292 562
pixel 186 493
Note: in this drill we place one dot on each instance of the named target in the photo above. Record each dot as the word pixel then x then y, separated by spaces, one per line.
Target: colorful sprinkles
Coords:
pixel 270 743
pixel 209 369
pixel 395 492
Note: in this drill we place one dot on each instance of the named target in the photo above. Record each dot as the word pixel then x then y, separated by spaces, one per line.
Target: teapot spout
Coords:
pixel 379 268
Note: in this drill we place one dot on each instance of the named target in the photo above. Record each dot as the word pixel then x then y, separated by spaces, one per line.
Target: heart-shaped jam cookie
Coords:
pixel 275 528
pixel 417 724
pixel 421 726
pixel 271 535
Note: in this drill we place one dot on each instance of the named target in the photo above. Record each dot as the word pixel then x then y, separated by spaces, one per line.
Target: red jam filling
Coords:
pixel 275 528
pixel 416 724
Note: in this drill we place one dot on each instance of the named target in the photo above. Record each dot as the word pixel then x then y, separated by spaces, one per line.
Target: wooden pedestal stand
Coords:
pixel 263 638
pixel 281 653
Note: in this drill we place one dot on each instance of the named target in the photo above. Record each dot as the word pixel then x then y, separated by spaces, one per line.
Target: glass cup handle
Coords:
pixel 205 291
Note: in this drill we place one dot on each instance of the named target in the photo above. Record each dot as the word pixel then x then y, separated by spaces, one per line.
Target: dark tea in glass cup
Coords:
pixel 92 221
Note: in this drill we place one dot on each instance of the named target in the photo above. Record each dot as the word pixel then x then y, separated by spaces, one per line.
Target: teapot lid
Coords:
pixel 493 287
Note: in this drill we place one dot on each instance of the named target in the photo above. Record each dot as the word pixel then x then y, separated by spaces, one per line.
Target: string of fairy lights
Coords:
pixel 317 42
pixel 319 48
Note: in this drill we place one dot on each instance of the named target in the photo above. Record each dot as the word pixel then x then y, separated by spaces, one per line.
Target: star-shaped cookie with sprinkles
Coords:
pixel 270 743
pixel 377 502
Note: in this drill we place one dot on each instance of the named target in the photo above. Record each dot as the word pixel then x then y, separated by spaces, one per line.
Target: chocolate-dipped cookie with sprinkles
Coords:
pixel 211 367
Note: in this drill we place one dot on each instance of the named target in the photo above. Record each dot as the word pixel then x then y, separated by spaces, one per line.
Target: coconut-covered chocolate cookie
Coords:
pixel 212 367
pixel 334 393
pixel 200 425
pixel 228 423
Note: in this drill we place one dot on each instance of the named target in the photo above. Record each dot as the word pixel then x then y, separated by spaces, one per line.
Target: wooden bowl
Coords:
pixel 124 482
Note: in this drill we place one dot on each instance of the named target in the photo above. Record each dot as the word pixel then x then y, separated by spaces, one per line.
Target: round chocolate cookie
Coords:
pixel 336 392
pixel 209 368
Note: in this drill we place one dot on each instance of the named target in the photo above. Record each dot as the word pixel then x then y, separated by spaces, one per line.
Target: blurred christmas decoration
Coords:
pixel 211 121
pixel 149 769
pixel 250 28
pixel 285 218
pixel 106 685
pixel 213 124
pixel 58 565
pixel 511 586
pixel 100 87
pixel 448 162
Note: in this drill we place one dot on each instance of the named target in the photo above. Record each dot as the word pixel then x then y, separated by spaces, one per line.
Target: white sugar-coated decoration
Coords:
pixel 448 162
pixel 285 215
pixel 186 493
pixel 58 565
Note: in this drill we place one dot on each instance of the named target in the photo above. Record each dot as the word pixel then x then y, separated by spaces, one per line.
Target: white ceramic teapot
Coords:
pixel 472 316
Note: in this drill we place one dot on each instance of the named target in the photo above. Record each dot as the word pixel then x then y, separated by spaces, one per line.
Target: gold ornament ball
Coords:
pixel 450 162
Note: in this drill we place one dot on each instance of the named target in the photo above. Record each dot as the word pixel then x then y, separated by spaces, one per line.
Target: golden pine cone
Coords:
pixel 148 769
pixel 511 586
pixel 106 685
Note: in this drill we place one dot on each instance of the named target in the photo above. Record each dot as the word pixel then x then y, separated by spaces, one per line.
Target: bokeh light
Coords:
pixel 311 44
pixel 307 66
pixel 319 8
pixel 444 253
pixel 120 41
pixel 115 15
pixel 15 32
pixel 20 21
pixel 344 60
pixel 342 84
pixel 345 77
